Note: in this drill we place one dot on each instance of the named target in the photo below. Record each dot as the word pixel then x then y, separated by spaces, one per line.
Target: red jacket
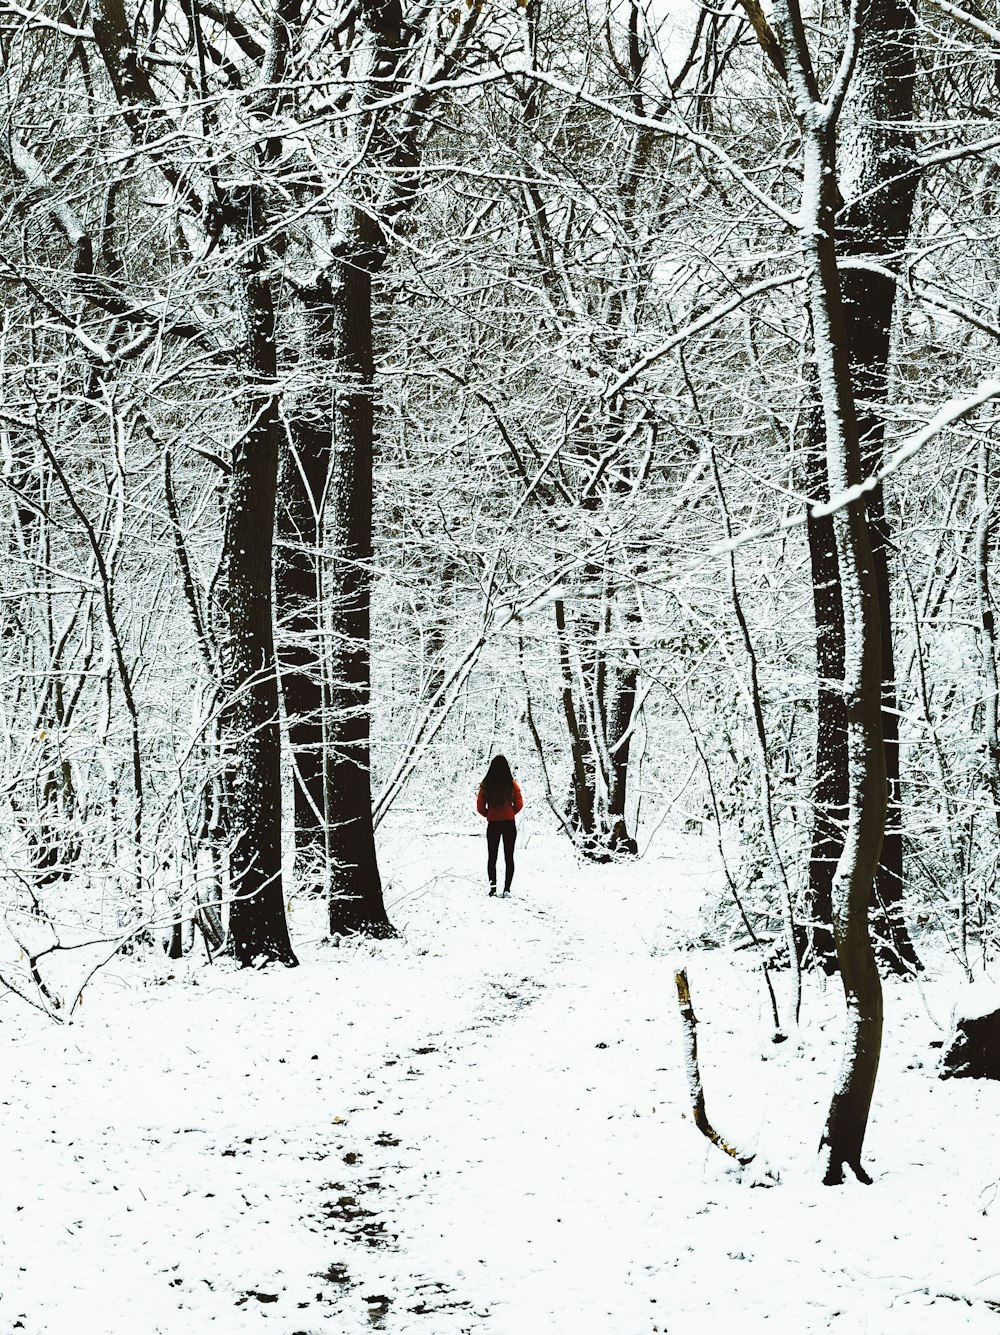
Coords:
pixel 505 812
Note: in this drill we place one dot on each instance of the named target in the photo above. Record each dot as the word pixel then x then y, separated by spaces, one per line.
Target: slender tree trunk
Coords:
pixel 847 1121
pixel 895 946
pixel 621 720
pixel 258 931
pixel 831 791
pixel 987 630
pixel 306 455
pixel 356 902
pixel 879 183
pixel 380 46
pixel 581 798
pixel 598 698
pixel 590 679
pixel 877 158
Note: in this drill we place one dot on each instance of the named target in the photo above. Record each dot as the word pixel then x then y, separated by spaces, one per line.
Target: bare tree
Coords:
pixel 329 467
pixel 236 217
pixel 818 115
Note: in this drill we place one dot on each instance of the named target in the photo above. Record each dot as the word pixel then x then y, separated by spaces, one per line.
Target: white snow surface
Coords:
pixel 483 1126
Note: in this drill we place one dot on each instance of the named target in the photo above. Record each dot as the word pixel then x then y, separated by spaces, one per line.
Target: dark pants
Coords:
pixel 495 831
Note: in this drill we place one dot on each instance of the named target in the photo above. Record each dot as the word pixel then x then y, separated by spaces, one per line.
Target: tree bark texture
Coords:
pixel 878 180
pixel 598 703
pixel 987 630
pixel 252 739
pixel 831 788
pixel 307 448
pixel 581 797
pixel 598 666
pixel 344 464
pixel 847 1121
pixel 621 713
pixel 356 902
pixel 258 929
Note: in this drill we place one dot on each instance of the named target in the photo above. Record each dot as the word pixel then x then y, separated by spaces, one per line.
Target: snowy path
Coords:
pixel 530 1195
pixel 479 1127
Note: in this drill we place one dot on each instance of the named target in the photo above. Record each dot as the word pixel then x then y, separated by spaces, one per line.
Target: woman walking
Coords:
pixel 499 801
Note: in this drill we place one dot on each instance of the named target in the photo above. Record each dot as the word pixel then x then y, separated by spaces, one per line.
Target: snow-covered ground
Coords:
pixel 483 1126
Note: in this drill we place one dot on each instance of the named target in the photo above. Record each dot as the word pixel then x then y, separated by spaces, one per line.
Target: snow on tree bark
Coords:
pixel 330 469
pixel 985 508
pixel 356 902
pixel 876 160
pixel 847 1120
pixel 306 453
pixel 258 930
pixel 692 1069
pixel 830 791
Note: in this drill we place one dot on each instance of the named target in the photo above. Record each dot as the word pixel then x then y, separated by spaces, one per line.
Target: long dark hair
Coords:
pixel 498 785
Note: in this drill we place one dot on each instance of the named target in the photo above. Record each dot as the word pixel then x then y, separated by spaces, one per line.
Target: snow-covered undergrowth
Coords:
pixel 482 1126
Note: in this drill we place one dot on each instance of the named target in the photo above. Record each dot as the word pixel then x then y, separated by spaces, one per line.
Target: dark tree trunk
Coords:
pixel 619 722
pixel 987 628
pixel 304 474
pixel 877 158
pixel 258 931
pixel 620 718
pixel 879 185
pixel 597 694
pixel 847 1120
pixel 892 938
pixel 831 791
pixel 598 717
pixel 580 806
pixel 329 721
pixel 355 887
pixel 356 902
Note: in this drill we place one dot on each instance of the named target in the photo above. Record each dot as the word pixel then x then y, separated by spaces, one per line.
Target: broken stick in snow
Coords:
pixel 694 1073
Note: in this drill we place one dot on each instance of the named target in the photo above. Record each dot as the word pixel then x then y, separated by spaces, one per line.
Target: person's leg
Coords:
pixel 509 839
pixel 492 845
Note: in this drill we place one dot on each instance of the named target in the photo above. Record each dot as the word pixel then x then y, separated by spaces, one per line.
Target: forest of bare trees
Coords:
pixel 385 385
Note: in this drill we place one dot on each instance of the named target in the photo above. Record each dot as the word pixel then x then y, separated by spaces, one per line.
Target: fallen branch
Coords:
pixel 695 1087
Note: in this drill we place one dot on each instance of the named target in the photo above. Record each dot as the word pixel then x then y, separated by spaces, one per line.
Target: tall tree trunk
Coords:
pixel 258 931
pixel 621 716
pixel 847 1120
pixel 356 902
pixel 589 678
pixel 580 803
pixel 830 796
pixel 304 474
pixel 879 183
pixel 598 702
pixel 987 629
pixel 379 49
pixel 598 693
